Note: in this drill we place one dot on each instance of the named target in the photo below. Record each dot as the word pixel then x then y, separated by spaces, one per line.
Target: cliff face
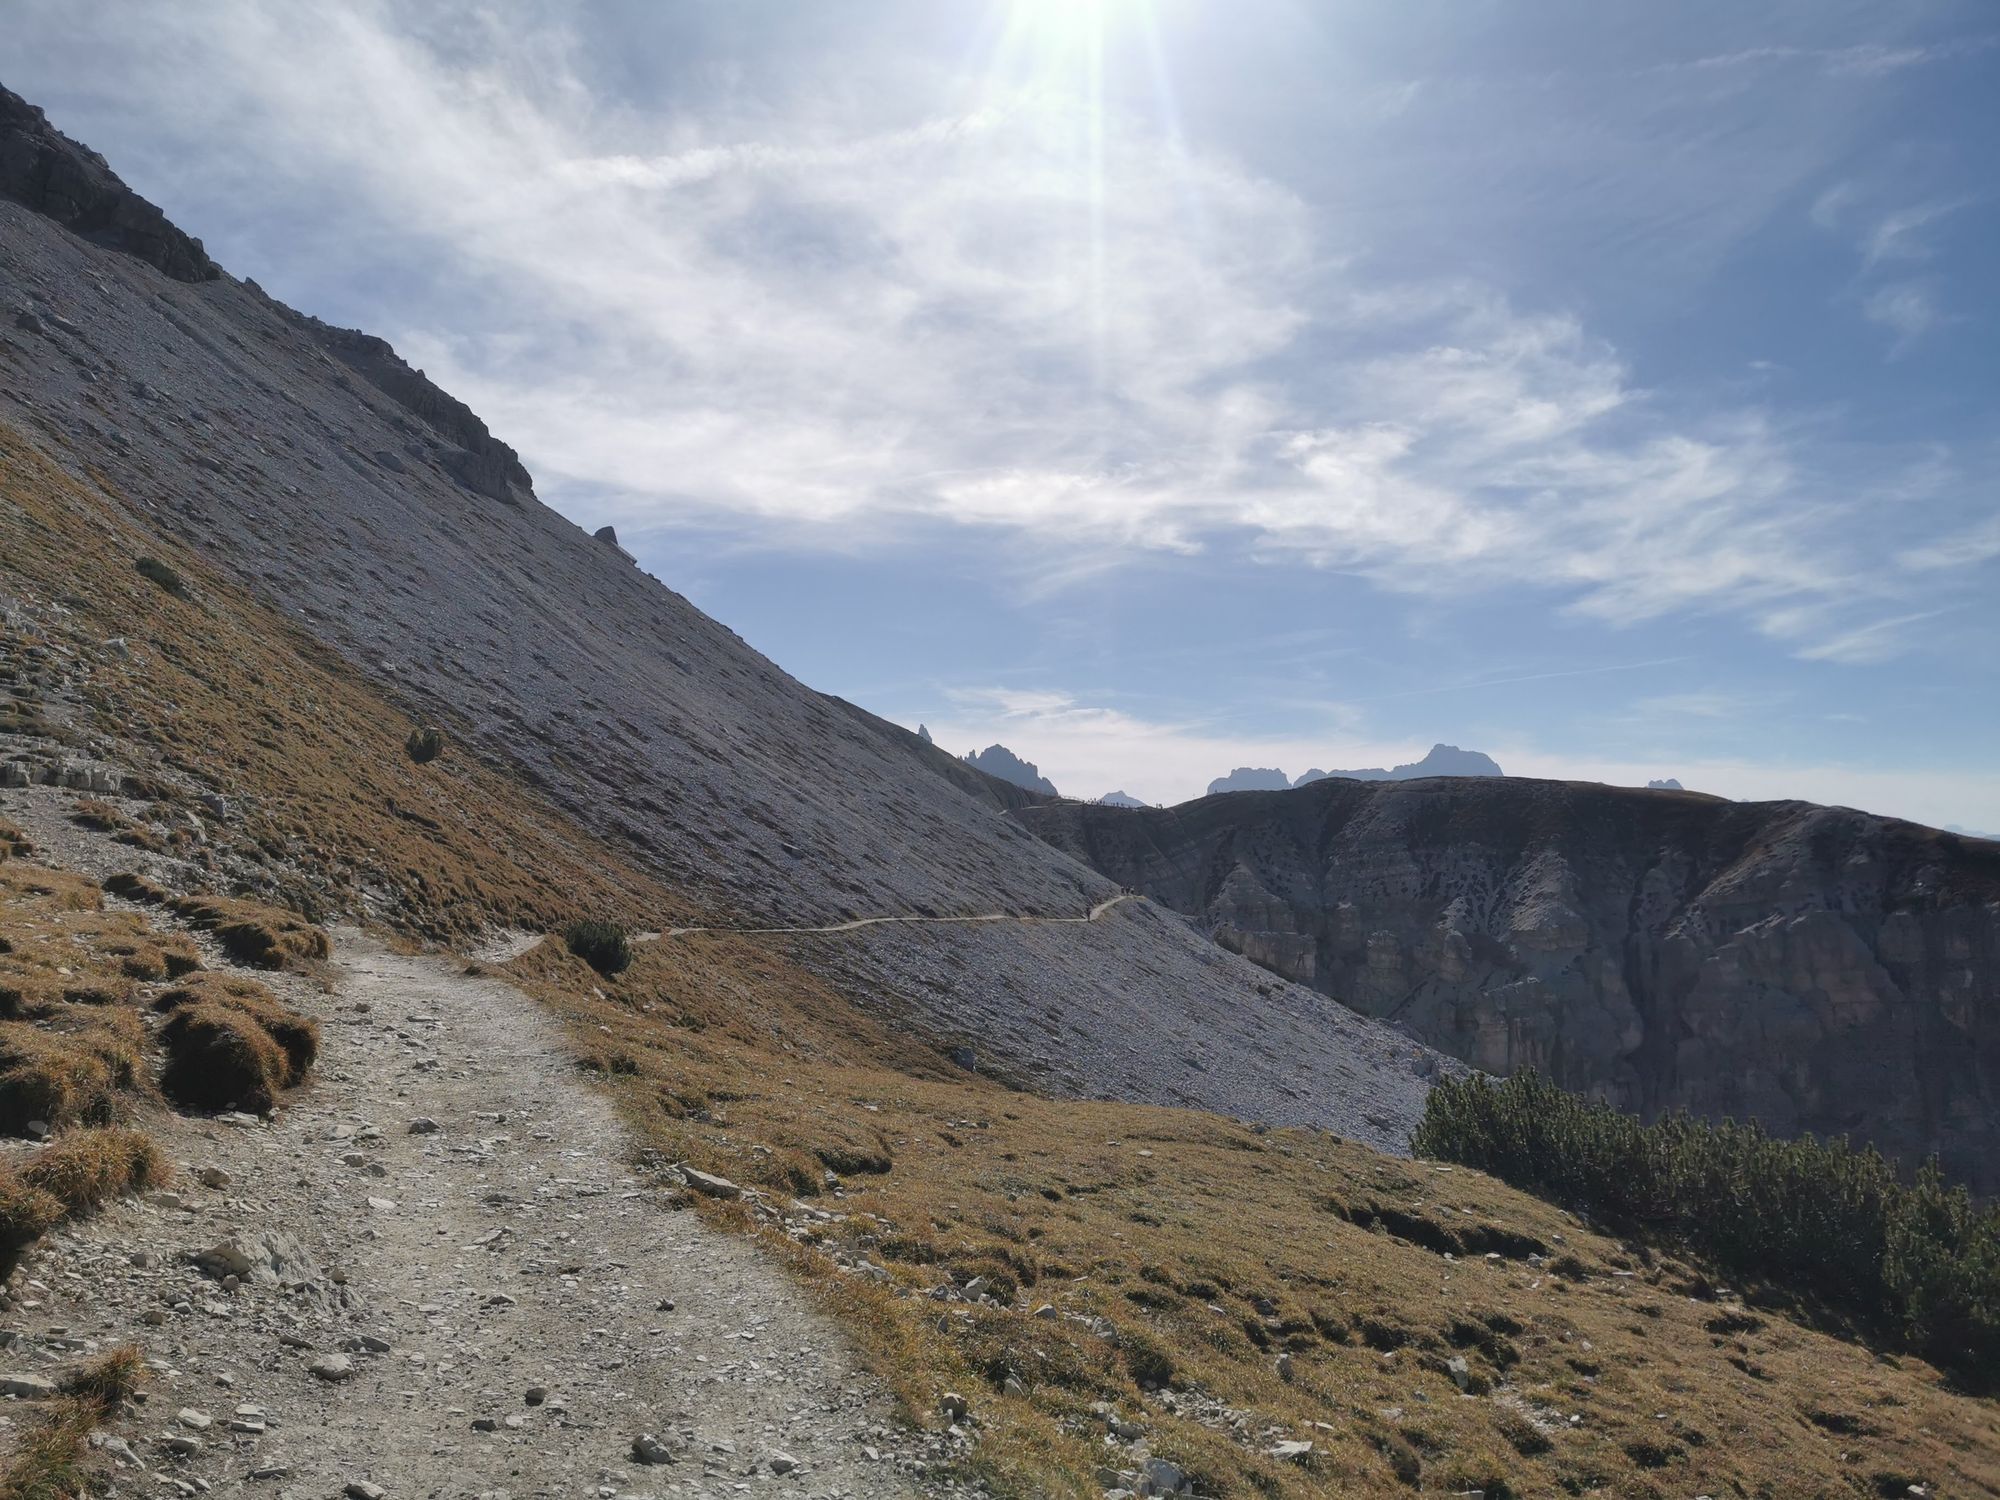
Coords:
pixel 71 184
pixel 1816 968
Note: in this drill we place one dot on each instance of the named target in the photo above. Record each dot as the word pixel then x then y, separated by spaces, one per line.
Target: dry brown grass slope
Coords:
pixel 1207 1249
pixel 216 691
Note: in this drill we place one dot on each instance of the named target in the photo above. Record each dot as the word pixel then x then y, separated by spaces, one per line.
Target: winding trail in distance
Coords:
pixel 1095 912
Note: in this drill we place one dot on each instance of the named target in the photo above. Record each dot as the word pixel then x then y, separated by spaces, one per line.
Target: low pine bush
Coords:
pixel 602 945
pixel 1820 1217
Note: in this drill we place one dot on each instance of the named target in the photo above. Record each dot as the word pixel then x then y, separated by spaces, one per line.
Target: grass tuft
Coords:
pixel 231 1044
pixel 79 1171
pixel 264 937
pixel 48 1460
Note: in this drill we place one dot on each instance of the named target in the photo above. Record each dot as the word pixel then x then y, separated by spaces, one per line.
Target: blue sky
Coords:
pixel 1160 387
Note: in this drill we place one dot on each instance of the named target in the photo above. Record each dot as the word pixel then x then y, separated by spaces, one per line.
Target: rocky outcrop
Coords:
pixel 1815 968
pixel 71 184
pixel 483 464
pixel 998 760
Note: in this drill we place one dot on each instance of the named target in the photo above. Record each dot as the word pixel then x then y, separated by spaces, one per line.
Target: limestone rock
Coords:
pixel 1815 968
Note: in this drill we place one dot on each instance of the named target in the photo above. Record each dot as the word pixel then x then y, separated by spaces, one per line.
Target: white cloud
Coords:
pixel 1877 641
pixel 1906 308
pixel 1965 549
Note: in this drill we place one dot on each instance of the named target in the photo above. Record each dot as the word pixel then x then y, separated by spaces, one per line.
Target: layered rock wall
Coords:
pixel 1816 968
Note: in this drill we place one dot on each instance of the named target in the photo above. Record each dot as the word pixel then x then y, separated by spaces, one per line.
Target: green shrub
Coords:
pixel 425 744
pixel 1921 1261
pixel 164 576
pixel 602 945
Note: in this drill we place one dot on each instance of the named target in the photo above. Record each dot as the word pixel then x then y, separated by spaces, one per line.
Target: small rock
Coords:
pixel 782 1463
pixel 215 1177
pixel 1460 1372
pixel 535 1395
pixel 272 1471
pixel 1291 1451
pixel 181 1444
pixel 200 1421
pixel 953 1405
pixel 225 1259
pixel 1286 1372
pixel 648 1449
pixel 424 1125
pixel 485 1424
pixel 709 1185
pixel 39 1129
pixel 332 1368
pixel 361 1489
pixel 27 1387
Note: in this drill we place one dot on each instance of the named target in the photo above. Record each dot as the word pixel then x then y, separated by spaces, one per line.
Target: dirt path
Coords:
pixel 1095 912
pixel 454 1270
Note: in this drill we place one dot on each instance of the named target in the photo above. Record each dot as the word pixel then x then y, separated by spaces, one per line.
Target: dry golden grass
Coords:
pixel 225 691
pixel 1212 1248
pixel 264 937
pixel 83 1169
pixel 78 1171
pixel 14 844
pixel 48 1461
pixel 231 1044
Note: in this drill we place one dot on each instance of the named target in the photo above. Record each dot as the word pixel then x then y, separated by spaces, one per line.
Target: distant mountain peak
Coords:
pixel 1665 784
pixel 1250 779
pixel 1121 799
pixel 998 760
pixel 1442 760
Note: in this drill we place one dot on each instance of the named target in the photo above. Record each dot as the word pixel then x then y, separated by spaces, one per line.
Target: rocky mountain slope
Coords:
pixel 313 468
pixel 1812 967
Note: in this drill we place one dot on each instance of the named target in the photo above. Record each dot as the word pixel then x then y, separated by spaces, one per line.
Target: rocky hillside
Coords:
pixel 312 469
pixel 1816 968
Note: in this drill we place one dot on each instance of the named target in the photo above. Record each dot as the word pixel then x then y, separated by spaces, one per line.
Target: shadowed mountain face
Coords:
pixel 998 760
pixel 344 488
pixel 1439 760
pixel 1814 968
